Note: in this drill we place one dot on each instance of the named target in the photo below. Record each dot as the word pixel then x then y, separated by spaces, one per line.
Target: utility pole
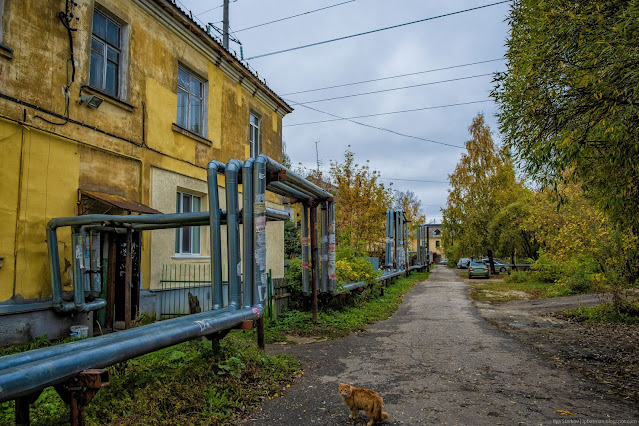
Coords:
pixel 317 158
pixel 225 25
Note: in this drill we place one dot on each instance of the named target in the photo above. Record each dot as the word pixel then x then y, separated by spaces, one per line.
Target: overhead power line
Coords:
pixel 387 113
pixel 378 30
pixel 392 76
pixel 294 16
pixel 213 8
pixel 415 180
pixel 381 128
pixel 396 88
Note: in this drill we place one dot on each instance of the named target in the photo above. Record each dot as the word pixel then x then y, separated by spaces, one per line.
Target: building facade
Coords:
pixel 115 107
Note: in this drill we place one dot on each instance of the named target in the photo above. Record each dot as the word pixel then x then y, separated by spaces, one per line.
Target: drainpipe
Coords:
pixel 232 227
pixel 247 227
pixel 214 167
pixel 259 208
pixel 324 247
pixel 305 249
pixel 332 278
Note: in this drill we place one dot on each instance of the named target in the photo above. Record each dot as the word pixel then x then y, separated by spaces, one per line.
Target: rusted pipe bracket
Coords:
pixel 79 391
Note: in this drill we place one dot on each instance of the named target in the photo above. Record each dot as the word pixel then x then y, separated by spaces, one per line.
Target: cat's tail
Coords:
pixel 380 415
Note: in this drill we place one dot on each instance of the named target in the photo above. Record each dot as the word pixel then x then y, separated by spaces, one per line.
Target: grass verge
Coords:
pixel 189 383
pixel 367 307
pixel 626 312
pixel 517 286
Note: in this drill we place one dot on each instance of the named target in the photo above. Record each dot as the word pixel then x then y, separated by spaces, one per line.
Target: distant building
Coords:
pixel 434 241
pixel 115 107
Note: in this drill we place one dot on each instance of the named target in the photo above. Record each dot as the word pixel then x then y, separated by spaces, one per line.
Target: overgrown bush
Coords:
pixel 294 281
pixel 352 266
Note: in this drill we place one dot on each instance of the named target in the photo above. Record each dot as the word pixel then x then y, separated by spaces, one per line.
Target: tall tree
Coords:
pixel 481 184
pixel 361 202
pixel 568 100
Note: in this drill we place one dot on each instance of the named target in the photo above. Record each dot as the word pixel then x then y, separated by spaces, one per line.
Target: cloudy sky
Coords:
pixel 449 60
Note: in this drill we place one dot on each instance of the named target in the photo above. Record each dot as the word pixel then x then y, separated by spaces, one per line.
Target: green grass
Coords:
pixel 517 286
pixel 626 312
pixel 366 308
pixel 189 383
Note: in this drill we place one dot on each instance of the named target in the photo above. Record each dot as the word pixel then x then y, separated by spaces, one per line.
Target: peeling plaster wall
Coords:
pixel 117 147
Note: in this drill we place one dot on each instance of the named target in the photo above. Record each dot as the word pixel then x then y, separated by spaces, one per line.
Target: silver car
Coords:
pixel 478 269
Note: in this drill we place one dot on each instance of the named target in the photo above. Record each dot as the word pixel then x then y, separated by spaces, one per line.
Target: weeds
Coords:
pixel 365 308
pixel 626 312
pixel 177 385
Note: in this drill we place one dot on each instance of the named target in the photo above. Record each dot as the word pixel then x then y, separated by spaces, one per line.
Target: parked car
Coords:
pixel 478 269
pixel 463 263
pixel 443 262
pixel 500 266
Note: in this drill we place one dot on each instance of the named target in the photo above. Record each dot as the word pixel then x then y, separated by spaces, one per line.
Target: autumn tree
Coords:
pixel 411 205
pixel 512 231
pixel 481 184
pixel 568 100
pixel 361 201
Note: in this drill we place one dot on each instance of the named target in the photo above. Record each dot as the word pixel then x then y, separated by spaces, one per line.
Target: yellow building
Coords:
pixel 434 241
pixel 115 106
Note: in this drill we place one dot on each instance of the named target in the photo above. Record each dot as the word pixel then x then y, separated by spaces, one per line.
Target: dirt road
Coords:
pixel 436 361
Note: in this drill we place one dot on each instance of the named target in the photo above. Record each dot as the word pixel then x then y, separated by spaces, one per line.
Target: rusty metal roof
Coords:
pixel 120 202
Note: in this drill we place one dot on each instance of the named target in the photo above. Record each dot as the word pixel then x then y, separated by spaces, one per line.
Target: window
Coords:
pixel 5 50
pixel 106 55
pixel 254 135
pixel 190 109
pixel 187 238
pixel 436 243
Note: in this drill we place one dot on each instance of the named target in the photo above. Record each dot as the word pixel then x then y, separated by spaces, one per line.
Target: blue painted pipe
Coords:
pixel 232 231
pixel 214 167
pixel 306 250
pixel 26 378
pixel 259 207
pixel 248 228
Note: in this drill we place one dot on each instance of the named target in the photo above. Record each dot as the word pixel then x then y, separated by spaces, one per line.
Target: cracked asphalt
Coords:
pixel 438 361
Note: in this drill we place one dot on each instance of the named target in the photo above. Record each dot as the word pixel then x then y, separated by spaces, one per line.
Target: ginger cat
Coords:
pixel 363 399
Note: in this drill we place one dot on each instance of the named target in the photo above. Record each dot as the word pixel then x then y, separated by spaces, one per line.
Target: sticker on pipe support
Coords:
pixel 333 277
pixel 331 247
pixel 304 241
pixel 304 265
pixel 239 268
pixel 331 238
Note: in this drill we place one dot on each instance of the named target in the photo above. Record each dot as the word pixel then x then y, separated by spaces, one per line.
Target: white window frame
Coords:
pixel 107 47
pixel 202 97
pixel 255 134
pixel 193 233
